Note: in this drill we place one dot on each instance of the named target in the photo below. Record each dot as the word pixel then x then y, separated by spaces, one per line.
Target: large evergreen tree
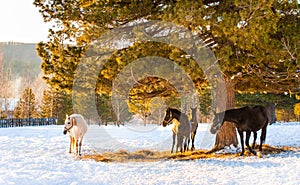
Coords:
pixel 256 42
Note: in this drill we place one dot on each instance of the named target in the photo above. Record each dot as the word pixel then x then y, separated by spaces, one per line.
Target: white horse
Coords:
pixel 76 127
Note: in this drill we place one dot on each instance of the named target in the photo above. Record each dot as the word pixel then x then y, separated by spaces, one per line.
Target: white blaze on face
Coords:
pixel 68 122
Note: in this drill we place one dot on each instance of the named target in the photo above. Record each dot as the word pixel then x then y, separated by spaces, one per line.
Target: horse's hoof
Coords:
pixel 242 154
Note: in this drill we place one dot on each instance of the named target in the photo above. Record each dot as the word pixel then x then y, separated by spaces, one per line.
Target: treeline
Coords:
pixel 53 105
pixel 255 45
pixel 56 104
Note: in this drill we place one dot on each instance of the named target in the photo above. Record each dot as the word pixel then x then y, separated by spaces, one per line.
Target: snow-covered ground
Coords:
pixel 39 155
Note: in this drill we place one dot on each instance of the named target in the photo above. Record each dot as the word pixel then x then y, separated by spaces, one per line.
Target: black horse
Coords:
pixel 181 130
pixel 245 119
pixel 270 108
pixel 194 123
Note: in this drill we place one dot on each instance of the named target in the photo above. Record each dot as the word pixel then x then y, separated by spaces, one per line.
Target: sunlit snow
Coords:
pixel 39 155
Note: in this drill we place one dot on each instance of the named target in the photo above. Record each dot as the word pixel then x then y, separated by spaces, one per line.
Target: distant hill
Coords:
pixel 22 59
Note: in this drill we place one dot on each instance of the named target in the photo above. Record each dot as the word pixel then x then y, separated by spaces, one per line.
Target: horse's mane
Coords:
pixel 175 110
pixel 242 108
pixel 181 114
pixel 237 110
pixel 80 121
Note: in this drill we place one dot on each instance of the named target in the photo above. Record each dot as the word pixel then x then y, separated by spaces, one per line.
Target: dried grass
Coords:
pixel 153 156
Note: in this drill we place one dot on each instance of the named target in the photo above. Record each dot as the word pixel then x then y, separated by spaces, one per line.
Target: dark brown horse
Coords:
pixel 182 130
pixel 245 119
pixel 194 124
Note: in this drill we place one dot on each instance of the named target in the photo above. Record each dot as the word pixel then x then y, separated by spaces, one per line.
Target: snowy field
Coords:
pixel 39 155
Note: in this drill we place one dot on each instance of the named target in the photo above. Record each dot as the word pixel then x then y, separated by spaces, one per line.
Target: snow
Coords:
pixel 39 155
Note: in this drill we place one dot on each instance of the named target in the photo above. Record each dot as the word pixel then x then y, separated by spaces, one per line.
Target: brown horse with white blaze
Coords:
pixel 182 130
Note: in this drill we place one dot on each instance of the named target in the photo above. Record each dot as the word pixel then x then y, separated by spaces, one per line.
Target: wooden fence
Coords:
pixel 26 122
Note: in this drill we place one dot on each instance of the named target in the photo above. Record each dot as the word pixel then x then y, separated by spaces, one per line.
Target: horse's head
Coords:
pixel 217 123
pixel 271 108
pixel 68 124
pixel 168 117
pixel 194 114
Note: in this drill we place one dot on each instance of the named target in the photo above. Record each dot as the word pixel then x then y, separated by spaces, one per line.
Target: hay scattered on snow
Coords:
pixel 153 156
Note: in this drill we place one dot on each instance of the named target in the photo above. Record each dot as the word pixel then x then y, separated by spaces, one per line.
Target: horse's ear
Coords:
pixel 67 116
pixel 214 112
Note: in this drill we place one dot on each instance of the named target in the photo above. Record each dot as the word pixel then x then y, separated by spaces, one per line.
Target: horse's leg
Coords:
pixel 181 144
pixel 254 140
pixel 77 146
pixel 185 141
pixel 178 142
pixel 193 139
pixel 248 133
pixel 188 142
pixel 71 144
pixel 242 141
pixel 263 136
pixel 80 143
pixel 173 142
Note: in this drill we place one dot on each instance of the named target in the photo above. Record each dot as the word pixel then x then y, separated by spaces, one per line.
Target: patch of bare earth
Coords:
pixel 152 156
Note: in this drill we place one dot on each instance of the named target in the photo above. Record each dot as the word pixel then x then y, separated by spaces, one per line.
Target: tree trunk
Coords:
pixel 226 136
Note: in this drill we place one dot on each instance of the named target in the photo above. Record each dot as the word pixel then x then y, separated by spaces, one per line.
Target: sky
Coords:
pixel 21 22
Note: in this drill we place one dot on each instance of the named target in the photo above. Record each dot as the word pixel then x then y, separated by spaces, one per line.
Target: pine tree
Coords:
pixel 27 107
pixel 47 106
pixel 256 42
pixel 18 111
